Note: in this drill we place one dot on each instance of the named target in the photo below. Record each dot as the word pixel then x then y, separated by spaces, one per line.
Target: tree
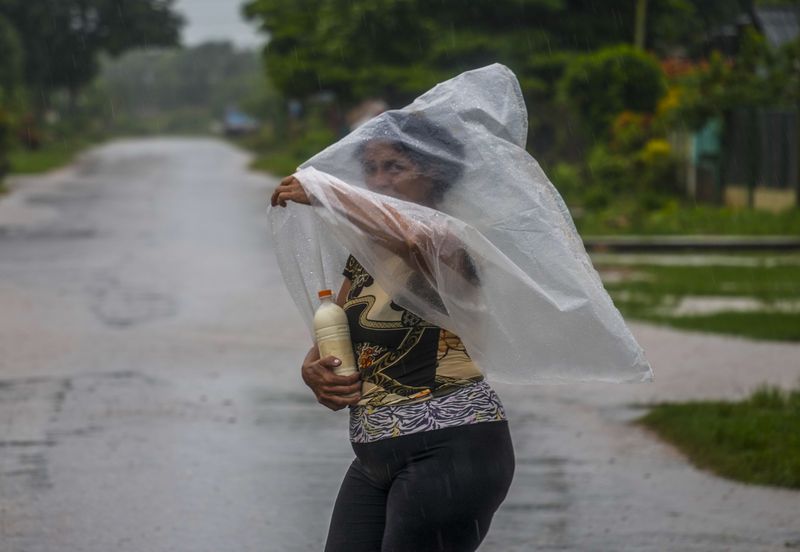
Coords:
pixel 62 38
pixel 208 76
pixel 601 85
pixel 11 60
pixel 398 48
pixel 10 80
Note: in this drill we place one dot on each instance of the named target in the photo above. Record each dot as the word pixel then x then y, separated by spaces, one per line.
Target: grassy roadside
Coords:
pixel 51 156
pixel 755 440
pixel 676 219
pixel 758 298
pixel 280 158
pixel 48 157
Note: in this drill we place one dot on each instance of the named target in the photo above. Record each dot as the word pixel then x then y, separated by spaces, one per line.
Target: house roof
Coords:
pixel 780 24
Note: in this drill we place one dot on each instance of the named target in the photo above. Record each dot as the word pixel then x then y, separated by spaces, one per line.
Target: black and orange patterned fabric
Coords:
pixel 401 357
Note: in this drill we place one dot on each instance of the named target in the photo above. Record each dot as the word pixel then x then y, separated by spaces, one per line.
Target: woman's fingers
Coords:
pixel 324 370
pixel 341 389
pixel 331 388
pixel 277 192
pixel 289 190
pixel 335 402
pixel 280 194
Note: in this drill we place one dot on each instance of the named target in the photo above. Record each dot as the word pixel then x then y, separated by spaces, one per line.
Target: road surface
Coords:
pixel 150 397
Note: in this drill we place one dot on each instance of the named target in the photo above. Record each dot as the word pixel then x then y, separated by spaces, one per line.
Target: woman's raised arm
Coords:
pixel 411 240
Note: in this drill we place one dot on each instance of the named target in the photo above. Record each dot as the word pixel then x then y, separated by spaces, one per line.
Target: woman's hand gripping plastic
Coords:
pixel 289 190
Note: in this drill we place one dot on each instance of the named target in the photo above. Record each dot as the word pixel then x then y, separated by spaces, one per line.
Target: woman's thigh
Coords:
pixel 359 514
pixel 445 497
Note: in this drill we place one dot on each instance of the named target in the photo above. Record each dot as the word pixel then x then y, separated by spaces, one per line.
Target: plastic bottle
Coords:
pixel 333 334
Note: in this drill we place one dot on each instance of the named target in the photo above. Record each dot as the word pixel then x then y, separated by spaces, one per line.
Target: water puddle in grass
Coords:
pixel 693 305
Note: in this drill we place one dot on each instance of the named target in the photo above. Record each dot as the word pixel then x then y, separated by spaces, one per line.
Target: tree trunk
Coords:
pixel 641 24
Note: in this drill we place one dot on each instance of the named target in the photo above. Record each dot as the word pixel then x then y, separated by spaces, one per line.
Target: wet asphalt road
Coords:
pixel 150 398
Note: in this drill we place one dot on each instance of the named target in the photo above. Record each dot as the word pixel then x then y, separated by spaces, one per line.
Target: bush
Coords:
pixel 658 168
pixel 629 131
pixel 10 81
pixel 602 84
pixel 568 181
pixel 5 142
pixel 613 171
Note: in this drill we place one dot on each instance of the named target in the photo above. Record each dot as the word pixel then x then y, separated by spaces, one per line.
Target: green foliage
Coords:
pixel 11 59
pixel 5 142
pixel 635 164
pixel 676 218
pixel 281 152
pixel 541 71
pixel 611 171
pixel 683 25
pixel 209 76
pixel 398 48
pixel 759 77
pixel 603 84
pixel 48 157
pixel 10 77
pixel 62 38
pixel 769 326
pixel 165 91
pixel 652 292
pixel 658 170
pixel 763 278
pixel 754 440
pixel 568 181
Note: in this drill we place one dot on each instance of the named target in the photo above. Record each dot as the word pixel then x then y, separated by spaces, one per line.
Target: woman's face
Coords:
pixel 391 172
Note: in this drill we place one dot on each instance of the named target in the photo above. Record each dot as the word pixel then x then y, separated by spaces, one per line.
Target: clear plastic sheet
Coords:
pixel 479 242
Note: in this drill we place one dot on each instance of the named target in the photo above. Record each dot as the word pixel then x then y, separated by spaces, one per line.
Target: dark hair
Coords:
pixel 401 129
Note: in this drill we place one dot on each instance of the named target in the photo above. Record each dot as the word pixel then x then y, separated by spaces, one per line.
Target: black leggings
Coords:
pixel 429 491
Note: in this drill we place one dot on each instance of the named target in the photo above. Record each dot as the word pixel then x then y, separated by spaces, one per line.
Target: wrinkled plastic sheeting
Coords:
pixel 536 310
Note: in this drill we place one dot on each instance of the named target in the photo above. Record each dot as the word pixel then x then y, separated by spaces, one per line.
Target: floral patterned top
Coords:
pixel 415 376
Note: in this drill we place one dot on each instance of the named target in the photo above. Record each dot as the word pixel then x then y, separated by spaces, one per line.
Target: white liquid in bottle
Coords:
pixel 333 334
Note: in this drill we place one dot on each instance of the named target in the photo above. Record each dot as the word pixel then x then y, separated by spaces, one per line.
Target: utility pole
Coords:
pixel 641 24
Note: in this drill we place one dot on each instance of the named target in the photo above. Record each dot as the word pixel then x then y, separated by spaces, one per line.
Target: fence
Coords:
pixel 751 159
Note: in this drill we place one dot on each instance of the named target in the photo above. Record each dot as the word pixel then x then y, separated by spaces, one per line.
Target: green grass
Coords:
pixel 677 219
pixel 277 163
pixel 48 157
pixel 762 282
pixel 652 289
pixel 768 326
pixel 756 440
pixel 281 157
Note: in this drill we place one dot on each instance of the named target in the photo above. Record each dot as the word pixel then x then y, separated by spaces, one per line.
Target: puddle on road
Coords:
pixel 50 233
pixel 689 259
pixel 26 407
pixel 536 507
pixel 74 195
pixel 120 303
pixel 31 425
pixel 700 305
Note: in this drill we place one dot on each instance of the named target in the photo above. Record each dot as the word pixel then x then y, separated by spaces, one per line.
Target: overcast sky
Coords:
pixel 216 19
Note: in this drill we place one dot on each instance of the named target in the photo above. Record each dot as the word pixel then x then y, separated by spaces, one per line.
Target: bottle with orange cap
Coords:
pixel 333 333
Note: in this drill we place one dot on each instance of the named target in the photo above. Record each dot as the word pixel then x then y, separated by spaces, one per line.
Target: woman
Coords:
pixel 434 457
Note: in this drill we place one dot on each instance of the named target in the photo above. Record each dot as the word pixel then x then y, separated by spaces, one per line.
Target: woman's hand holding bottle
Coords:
pixel 329 388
